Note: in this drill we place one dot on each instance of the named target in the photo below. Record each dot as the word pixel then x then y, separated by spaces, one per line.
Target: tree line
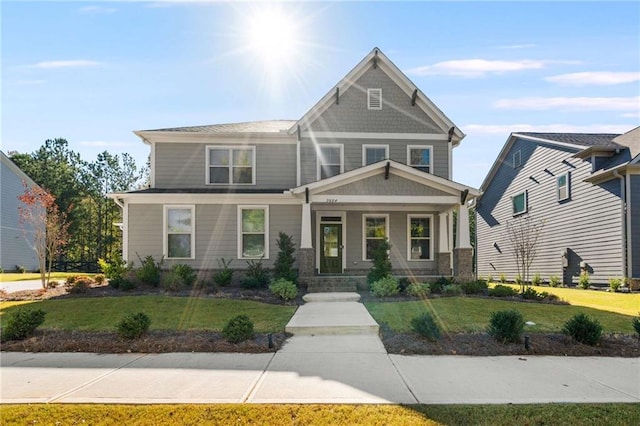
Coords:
pixel 80 188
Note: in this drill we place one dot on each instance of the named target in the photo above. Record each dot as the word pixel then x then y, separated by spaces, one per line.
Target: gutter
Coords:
pixel 623 218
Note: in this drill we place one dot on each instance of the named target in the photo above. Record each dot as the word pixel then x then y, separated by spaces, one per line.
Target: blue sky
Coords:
pixel 92 72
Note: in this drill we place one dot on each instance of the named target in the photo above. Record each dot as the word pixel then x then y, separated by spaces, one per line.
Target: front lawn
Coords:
pixel 471 314
pixel 6 277
pixel 166 313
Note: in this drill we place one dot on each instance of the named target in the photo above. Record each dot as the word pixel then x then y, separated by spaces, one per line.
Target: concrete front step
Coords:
pixel 331 297
pixel 332 318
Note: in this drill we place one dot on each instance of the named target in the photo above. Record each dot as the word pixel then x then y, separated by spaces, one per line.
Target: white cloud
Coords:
pixel 476 67
pixel 571 104
pixel 103 144
pixel 95 10
pixel 492 129
pixel 78 63
pixel 603 78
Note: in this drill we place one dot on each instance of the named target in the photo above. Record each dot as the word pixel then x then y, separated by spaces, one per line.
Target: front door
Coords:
pixel 331 246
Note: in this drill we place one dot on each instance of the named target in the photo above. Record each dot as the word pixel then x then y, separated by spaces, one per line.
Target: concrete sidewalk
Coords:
pixel 12 286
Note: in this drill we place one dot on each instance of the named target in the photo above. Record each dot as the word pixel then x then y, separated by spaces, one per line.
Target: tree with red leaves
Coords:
pixel 44 226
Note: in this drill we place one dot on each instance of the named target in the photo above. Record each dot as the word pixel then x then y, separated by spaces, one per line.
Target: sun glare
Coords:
pixel 272 36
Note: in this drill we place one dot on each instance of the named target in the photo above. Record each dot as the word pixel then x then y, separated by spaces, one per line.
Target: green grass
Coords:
pixel 468 314
pixel 622 303
pixel 312 414
pixel 13 276
pixel 166 313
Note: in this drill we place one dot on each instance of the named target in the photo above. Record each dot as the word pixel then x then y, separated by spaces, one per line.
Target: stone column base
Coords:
pixel 444 264
pixel 463 264
pixel 306 265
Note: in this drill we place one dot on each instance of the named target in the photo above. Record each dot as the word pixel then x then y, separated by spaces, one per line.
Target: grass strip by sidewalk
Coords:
pixel 471 314
pixel 287 414
pixel 6 277
pixel 166 313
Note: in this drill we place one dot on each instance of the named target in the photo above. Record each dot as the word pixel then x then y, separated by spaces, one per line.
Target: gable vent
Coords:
pixel 374 98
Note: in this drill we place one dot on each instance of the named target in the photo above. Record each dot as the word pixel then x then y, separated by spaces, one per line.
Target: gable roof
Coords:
pixel 267 126
pixel 579 139
pixel 377 59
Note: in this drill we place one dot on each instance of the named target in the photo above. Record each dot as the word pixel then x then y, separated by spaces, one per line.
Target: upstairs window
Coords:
pixel 231 165
pixel 563 188
pixel 517 159
pixel 374 153
pixel 329 161
pixel 374 98
pixel 419 157
pixel 375 231
pixel 519 202
pixel 179 237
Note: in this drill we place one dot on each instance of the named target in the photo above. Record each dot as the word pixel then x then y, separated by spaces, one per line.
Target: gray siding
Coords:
pixel 396 116
pixel 588 224
pixel 183 165
pixel 378 185
pixel 216 233
pixel 635 224
pixel 15 249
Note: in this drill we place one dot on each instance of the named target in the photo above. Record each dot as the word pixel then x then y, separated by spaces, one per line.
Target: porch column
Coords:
pixel 463 253
pixel 444 253
pixel 305 235
pixel 305 257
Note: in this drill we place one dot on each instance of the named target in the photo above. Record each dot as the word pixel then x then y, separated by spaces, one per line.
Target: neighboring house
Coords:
pixel 371 160
pixel 15 246
pixel 585 188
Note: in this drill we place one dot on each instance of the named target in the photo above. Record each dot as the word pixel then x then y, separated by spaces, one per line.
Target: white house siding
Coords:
pixel 184 165
pixel 15 249
pixel 635 224
pixel 589 225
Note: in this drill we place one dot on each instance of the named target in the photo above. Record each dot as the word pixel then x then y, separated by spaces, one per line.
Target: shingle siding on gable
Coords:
pixel 589 224
pixel 396 116
pixel 378 185
pixel 635 224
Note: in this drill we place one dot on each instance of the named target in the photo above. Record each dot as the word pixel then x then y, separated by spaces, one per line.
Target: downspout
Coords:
pixel 623 218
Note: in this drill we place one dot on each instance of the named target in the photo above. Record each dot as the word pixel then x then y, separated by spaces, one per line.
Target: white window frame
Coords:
pixel 429 147
pixel 374 146
pixel 369 93
pixel 517 163
pixel 364 231
pixel 526 203
pixel 567 185
pixel 420 216
pixel 318 157
pixel 241 233
pixel 230 148
pixel 165 231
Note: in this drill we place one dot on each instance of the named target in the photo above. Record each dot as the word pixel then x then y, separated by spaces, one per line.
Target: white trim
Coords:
pixel 318 164
pixel 213 198
pixel 366 135
pixel 450 151
pixel 152 165
pixel 630 271
pixel 230 149
pixel 165 233
pixel 343 221
pixel 254 138
pixel 365 146
pixel 370 92
pixel 517 154
pixel 364 231
pixel 125 232
pixel 431 221
pixel 547 141
pixel 385 199
pixel 567 176
pixel 240 232
pixel 298 179
pixel 526 203
pixel 429 147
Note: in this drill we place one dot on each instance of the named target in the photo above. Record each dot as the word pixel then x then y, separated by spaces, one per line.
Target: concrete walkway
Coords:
pixel 13 286
pixel 316 366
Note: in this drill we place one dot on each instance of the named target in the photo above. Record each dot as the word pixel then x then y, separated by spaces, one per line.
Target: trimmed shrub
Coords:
pixel 122 283
pixel 403 283
pixel 71 280
pixel 171 281
pixel 585 280
pixel 583 329
pixel 636 324
pixel 506 326
pixel 225 275
pixel 419 289
pixel 426 326
pixel 99 279
pixel 615 283
pixel 238 329
pixel 531 294
pixel 114 269
pixel 286 290
pixel 257 276
pixel 554 281
pixel 283 266
pixel 22 323
pixel 537 279
pixel 437 286
pixel 452 290
pixel 21 269
pixel 80 286
pixel 502 291
pixel 381 267
pixel 149 271
pixel 384 287
pixel 474 287
pixel 133 326
pixel 186 272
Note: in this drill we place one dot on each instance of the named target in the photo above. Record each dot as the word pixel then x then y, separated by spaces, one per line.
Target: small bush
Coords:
pixel 474 287
pixel 583 329
pixel 502 291
pixel 186 272
pixel 489 278
pixel 99 279
pixel 53 284
pixel 537 279
pixel 149 271
pixel 114 269
pixel 257 276
pixel 438 285
pixel 585 280
pixel 133 326
pixel 21 269
pixel 385 287
pixel 426 326
pixel 518 280
pixel 79 286
pixel 506 326
pixel 418 289
pixel 636 324
pixel 503 278
pixel 22 323
pixel 171 281
pixel 126 284
pixel 531 294
pixel 615 283
pixel 554 281
pixel 404 283
pixel 452 290
pixel 284 289
pixel 71 280
pixel 238 329
pixel 225 275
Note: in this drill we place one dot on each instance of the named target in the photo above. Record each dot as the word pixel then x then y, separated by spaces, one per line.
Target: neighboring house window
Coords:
pixel 519 202
pixel 329 161
pixel 517 159
pixel 419 157
pixel 253 235
pixel 375 230
pixel 419 237
pixel 564 189
pixel 231 165
pixel 179 235
pixel 374 98
pixel 374 153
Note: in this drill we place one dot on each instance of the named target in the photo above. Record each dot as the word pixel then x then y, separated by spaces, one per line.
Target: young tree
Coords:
pixel 41 219
pixel 283 267
pixel 524 234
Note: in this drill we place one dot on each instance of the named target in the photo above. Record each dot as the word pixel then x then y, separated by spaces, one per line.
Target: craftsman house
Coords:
pixel 583 188
pixel 371 160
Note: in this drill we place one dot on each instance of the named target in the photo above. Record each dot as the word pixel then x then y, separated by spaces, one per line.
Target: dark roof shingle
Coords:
pixel 270 126
pixel 583 139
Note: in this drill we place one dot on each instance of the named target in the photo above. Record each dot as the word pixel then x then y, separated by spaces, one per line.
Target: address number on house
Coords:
pixel 331 200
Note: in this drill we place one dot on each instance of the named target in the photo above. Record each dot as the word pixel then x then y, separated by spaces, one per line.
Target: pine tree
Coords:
pixel 283 267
